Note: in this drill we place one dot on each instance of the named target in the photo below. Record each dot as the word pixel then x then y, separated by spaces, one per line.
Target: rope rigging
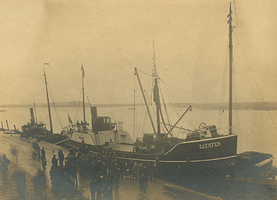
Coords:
pixel 56 112
pixel 256 84
pixel 78 106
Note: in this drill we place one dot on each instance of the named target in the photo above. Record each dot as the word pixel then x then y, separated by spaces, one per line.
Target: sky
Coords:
pixel 110 38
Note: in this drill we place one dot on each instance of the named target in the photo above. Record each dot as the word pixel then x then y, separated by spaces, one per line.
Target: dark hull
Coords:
pixel 214 149
pixel 209 150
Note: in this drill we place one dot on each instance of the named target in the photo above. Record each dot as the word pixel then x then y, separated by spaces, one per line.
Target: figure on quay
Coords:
pixel 42 153
pixel 92 187
pixel 99 185
pixel 142 184
pixel 136 171
pixel 54 161
pixel 108 190
pixel 61 157
pixel 73 173
pixel 43 162
pixel 37 148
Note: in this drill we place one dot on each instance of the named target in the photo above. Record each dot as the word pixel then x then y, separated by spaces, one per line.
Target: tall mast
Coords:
pixel 230 70
pixel 83 90
pixel 35 110
pixel 49 111
pixel 156 93
pixel 144 98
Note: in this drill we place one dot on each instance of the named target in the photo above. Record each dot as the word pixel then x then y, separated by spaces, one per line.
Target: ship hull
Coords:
pixel 206 150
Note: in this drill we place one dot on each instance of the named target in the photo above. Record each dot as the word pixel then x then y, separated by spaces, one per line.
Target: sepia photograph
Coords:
pixel 138 99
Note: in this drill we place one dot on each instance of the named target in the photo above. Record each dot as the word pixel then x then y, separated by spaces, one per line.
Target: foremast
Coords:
pixel 47 96
pixel 146 104
pixel 156 95
pixel 83 92
pixel 230 70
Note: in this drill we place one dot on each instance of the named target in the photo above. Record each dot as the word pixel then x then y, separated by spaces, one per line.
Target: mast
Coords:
pixel 143 95
pixel 230 70
pixel 156 94
pixel 83 90
pixel 49 111
pixel 35 110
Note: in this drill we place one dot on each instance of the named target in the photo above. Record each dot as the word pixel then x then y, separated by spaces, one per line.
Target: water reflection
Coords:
pixel 4 164
pixel 40 184
pixel 20 181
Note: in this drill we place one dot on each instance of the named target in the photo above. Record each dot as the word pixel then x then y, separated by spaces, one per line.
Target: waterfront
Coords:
pixel 255 129
pixel 256 133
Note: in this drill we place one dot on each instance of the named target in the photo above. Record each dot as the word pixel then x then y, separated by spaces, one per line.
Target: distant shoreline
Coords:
pixel 209 106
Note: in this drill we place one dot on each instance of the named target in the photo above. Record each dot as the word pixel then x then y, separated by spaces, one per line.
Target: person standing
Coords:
pixel 109 188
pixel 92 188
pixel 43 162
pixel 38 149
pixel 136 171
pixel 73 173
pixel 142 184
pixel 99 185
pixel 61 157
pixel 42 153
pixel 117 176
pixel 54 161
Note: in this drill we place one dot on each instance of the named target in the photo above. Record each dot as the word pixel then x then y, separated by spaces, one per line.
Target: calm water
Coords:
pixel 255 129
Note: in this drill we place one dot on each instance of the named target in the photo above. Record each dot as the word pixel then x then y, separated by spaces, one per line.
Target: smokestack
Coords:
pixel 93 111
pixel 32 116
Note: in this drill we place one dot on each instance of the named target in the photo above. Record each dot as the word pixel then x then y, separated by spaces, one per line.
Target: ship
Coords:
pixel 205 148
pixel 202 145
pixel 33 129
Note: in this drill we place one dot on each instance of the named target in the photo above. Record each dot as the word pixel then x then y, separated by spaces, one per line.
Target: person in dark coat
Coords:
pixel 155 171
pixel 42 153
pixel 43 162
pixel 108 191
pixel 73 173
pixel 142 184
pixel 131 167
pixel 54 161
pixel 61 157
pixel 122 168
pixel 99 185
pixel 54 177
pixel 92 187
pixel 117 176
pixel 136 170
pixel 38 149
pixel 147 172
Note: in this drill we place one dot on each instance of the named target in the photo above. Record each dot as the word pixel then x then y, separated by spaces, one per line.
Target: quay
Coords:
pixel 26 179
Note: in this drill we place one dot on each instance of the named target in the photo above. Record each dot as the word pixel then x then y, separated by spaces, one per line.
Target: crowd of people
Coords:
pixel 103 169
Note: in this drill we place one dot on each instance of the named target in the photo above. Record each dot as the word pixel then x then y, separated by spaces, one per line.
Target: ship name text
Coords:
pixel 209 145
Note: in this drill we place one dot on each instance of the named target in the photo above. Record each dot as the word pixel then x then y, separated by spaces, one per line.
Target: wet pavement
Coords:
pixel 26 179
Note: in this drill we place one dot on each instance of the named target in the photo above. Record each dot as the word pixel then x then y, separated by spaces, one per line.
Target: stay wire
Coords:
pixel 256 83
pixel 178 106
pixel 204 50
pixel 78 106
pixel 210 82
pixel 56 112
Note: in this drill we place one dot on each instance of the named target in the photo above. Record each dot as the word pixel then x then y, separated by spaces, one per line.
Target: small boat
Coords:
pixel 33 128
